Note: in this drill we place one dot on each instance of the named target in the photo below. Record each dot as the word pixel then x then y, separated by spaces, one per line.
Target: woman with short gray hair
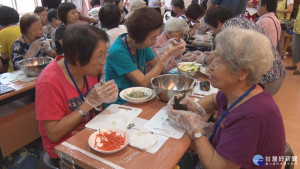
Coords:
pixel 174 32
pixel 246 53
pixel 249 125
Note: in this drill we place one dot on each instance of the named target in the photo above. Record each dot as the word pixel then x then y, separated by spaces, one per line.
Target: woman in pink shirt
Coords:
pixel 268 20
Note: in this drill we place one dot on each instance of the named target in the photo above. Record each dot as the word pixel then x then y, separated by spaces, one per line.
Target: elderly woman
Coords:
pixel 130 52
pixel 31 43
pixel 219 18
pixel 174 32
pixel 249 122
pixel 67 90
pixel 68 15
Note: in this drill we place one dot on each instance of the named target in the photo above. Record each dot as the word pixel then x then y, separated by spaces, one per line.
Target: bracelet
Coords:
pixel 82 114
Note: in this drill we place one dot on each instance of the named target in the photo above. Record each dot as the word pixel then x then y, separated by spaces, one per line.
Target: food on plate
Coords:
pixel 109 140
pixel 205 85
pixel 188 67
pixel 177 99
pixel 137 94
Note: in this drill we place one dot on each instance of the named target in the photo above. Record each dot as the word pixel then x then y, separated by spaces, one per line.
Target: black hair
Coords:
pixel 39 9
pixel 142 22
pixel 194 11
pixel 95 2
pixel 109 16
pixel 217 14
pixel 63 9
pixel 271 5
pixel 52 14
pixel 80 42
pixel 8 16
pixel 178 3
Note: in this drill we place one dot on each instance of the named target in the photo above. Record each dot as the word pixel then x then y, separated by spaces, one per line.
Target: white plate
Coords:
pixel 204 70
pixel 92 140
pixel 146 90
pixel 188 63
pixel 122 95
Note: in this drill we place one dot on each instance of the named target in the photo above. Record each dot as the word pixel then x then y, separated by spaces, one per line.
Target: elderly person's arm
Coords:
pixel 194 121
pixel 57 129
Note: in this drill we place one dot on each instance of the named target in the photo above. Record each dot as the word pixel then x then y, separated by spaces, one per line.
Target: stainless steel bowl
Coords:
pixel 34 66
pixel 168 85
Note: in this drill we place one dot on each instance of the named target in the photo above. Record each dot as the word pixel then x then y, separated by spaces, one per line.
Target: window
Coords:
pixel 22 6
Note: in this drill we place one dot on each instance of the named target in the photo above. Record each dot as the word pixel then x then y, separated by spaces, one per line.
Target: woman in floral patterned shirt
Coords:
pixel 221 17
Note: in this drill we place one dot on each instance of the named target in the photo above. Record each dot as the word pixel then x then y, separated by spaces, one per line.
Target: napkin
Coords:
pixel 142 139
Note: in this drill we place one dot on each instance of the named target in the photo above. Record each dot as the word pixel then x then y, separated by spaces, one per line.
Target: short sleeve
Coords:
pixel 54 109
pixel 290 2
pixel 4 45
pixel 149 54
pixel 121 62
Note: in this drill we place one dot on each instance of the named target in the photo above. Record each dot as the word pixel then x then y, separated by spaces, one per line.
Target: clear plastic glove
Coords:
pixel 102 93
pixel 186 119
pixel 35 47
pixel 193 106
pixel 45 46
pixel 174 47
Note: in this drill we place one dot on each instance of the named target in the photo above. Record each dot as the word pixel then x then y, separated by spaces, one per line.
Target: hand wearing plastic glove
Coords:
pixel 187 119
pixel 102 93
pixel 193 106
pixel 35 46
pixel 45 46
pixel 175 47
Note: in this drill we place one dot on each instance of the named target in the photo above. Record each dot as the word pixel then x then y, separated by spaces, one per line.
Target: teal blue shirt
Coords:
pixel 119 63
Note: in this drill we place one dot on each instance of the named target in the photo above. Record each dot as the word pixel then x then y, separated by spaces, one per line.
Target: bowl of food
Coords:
pixel 34 66
pixel 108 141
pixel 188 68
pixel 168 85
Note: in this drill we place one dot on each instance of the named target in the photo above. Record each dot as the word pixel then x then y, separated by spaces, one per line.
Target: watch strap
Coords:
pixel 82 114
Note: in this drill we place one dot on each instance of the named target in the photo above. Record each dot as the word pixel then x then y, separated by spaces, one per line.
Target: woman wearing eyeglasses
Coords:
pixel 67 90
pixel 130 52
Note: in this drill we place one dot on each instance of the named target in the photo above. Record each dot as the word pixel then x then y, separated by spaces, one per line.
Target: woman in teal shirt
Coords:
pixel 130 52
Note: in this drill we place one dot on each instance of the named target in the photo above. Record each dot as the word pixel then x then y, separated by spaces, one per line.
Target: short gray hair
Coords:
pixel 246 49
pixel 175 25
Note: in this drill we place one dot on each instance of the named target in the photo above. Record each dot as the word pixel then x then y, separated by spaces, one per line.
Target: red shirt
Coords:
pixel 56 97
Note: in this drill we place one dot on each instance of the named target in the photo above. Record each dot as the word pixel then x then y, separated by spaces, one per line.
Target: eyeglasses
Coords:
pixel 153 39
pixel 102 56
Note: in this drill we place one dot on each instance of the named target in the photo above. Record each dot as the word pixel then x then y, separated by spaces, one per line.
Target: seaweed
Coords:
pixel 177 99
pixel 205 85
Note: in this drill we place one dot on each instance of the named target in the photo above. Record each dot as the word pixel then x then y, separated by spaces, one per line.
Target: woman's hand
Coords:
pixel 186 119
pixel 102 93
pixel 179 47
pixel 193 106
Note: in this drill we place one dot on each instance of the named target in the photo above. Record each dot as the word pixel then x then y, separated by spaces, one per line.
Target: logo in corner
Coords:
pixel 258 160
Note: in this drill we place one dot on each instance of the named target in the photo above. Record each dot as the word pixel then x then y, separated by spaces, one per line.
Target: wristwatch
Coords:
pixel 198 135
pixel 82 114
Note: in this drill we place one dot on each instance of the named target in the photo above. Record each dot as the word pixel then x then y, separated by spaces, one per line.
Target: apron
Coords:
pixel 283 16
